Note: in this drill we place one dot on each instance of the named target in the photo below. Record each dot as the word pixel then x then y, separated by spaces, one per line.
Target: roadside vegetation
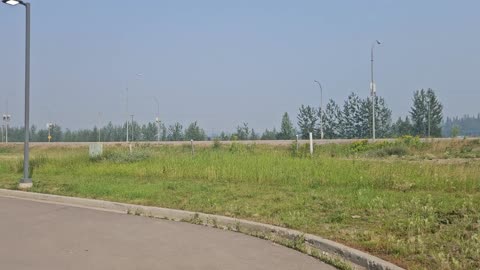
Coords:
pixel 414 203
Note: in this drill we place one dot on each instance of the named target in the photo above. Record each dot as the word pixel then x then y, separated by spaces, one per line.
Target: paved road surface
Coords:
pixel 42 236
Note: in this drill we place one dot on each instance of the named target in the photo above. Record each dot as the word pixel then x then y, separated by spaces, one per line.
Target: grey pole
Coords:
pixel 429 115
pixel 373 90
pixel 6 122
pixel 127 114
pixel 193 150
pixel 138 75
pixel 99 128
pixel 132 126
pixel 26 182
pixel 157 119
pixel 321 105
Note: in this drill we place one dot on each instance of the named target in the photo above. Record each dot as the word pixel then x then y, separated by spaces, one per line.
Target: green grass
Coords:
pixel 415 204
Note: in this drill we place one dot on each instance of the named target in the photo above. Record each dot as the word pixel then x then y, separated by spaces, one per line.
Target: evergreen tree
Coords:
pixel 354 118
pixel 434 115
pixel 243 132
pixel 287 132
pixel 175 132
pixel 307 120
pixel 383 118
pixel 194 132
pixel 333 121
pixel 253 135
pixel 402 127
pixel 269 135
pixel 426 114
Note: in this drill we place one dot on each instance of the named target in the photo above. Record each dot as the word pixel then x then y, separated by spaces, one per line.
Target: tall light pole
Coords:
pixel 132 127
pixel 127 113
pixel 25 182
pixel 157 118
pixel 99 126
pixel 49 127
pixel 321 105
pixel 6 120
pixel 373 90
pixel 137 75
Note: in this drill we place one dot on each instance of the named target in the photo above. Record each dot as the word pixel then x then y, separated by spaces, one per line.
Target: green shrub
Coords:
pixel 410 141
pixel 216 144
pixel 359 146
pixel 395 150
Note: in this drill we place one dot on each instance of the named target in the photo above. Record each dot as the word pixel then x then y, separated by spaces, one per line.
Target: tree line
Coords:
pixel 352 119
pixel 462 126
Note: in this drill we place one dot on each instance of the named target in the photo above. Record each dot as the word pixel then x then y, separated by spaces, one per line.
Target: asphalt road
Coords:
pixel 36 235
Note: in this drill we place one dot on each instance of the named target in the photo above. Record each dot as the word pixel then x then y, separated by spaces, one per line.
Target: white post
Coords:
pixel 311 144
pixel 191 143
pixel 297 141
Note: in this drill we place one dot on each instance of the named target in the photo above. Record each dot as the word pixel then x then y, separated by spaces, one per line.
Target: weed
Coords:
pixel 216 144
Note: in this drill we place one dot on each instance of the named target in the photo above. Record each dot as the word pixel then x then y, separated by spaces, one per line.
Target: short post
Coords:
pixel 191 143
pixel 311 143
pixel 296 141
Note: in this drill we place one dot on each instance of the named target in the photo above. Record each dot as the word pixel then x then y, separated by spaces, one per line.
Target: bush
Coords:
pixel 217 144
pixel 410 141
pixel 359 146
pixel 396 150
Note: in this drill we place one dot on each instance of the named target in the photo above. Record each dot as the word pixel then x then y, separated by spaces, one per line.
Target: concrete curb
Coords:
pixel 310 244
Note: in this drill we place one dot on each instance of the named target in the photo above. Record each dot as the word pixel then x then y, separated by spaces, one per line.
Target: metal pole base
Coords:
pixel 25 183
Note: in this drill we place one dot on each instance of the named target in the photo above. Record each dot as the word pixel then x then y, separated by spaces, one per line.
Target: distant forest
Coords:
pixel 464 126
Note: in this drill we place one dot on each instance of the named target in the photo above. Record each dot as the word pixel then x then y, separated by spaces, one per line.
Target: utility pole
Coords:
pixel 6 121
pixel 137 76
pixel 132 127
pixel 157 119
pixel 25 182
pixel 49 127
pixel 127 114
pixel 99 126
pixel 321 105
pixel 428 107
pixel 373 90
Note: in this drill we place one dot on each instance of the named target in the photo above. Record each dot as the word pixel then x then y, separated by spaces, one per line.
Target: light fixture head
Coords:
pixel 378 42
pixel 12 2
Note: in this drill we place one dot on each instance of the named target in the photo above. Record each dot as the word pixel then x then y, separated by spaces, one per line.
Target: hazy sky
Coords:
pixel 227 62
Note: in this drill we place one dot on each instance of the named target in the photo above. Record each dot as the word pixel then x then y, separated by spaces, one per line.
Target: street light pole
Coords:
pixel 157 119
pixel 373 90
pixel 132 127
pixel 127 114
pixel 138 75
pixel 321 105
pixel 25 182
pixel 6 121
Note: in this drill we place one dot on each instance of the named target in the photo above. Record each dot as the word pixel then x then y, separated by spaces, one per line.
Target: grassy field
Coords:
pixel 414 203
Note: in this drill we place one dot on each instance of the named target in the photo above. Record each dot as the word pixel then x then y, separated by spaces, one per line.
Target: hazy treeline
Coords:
pixel 352 119
pixel 463 126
